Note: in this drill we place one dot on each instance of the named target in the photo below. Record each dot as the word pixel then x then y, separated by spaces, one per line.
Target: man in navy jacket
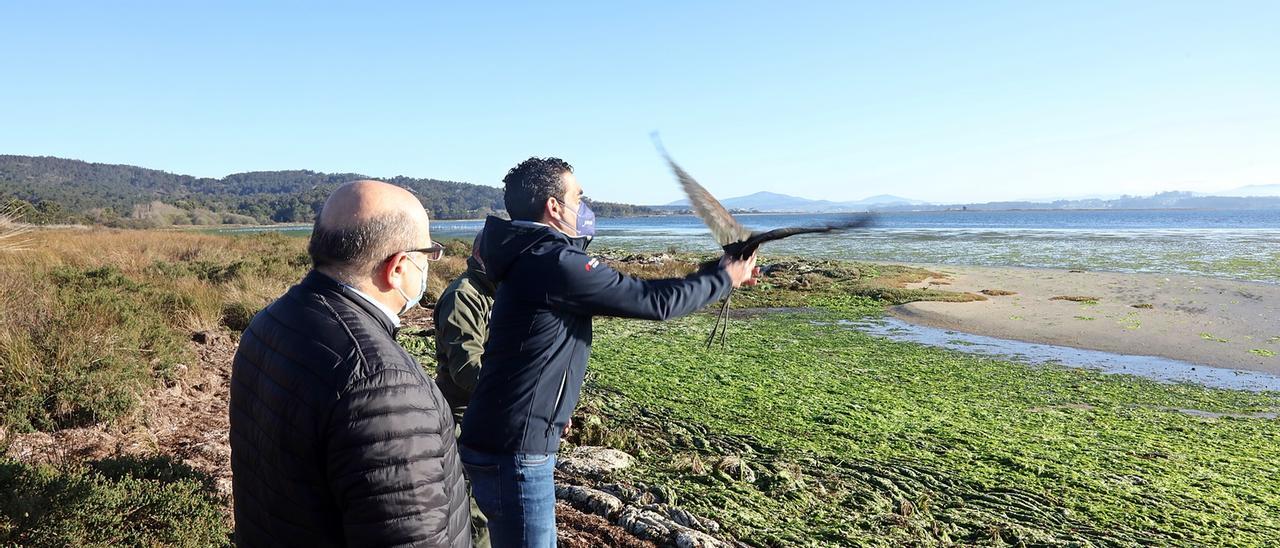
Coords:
pixel 540 338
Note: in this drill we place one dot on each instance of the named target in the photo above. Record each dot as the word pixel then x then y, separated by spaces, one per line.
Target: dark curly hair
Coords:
pixel 530 183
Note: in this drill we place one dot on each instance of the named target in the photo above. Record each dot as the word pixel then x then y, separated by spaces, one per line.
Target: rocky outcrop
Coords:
pixel 648 512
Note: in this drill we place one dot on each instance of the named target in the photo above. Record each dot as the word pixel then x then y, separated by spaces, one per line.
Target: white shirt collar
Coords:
pixel 518 222
pixel 391 315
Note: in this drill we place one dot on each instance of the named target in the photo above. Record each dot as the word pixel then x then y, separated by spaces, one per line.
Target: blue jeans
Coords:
pixel 518 495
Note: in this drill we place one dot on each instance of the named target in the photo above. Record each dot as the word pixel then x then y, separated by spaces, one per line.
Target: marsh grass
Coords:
pixel 94 322
pixel 94 319
pixel 103 316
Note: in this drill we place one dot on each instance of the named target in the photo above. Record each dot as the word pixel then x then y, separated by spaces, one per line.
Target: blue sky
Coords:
pixel 940 101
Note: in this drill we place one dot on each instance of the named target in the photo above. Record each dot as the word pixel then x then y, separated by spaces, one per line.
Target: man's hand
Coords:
pixel 742 272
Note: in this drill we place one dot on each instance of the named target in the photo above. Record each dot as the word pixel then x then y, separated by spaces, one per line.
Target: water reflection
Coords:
pixel 1151 367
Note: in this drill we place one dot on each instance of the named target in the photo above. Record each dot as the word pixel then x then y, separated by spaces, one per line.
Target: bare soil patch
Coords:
pixel 579 529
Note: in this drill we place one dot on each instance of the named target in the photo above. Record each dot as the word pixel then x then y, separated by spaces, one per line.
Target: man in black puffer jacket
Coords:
pixel 338 437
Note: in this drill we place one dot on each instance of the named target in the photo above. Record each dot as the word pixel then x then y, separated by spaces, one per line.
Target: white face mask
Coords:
pixel 422 289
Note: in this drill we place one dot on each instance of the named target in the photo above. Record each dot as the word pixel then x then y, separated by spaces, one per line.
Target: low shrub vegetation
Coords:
pixel 118 502
pixel 95 319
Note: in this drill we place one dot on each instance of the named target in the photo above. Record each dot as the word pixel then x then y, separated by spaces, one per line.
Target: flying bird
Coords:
pixel 738 241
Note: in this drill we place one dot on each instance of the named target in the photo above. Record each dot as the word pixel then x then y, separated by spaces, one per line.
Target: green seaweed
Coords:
pixel 853 439
pixel 1130 321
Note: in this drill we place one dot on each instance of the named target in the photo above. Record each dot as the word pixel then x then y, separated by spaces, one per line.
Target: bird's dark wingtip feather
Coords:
pixel 657 143
pixel 859 221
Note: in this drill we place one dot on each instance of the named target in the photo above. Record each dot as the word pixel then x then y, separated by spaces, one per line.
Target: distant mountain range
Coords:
pixel 1245 197
pixel 772 201
pixel 1162 200
pixel 1247 191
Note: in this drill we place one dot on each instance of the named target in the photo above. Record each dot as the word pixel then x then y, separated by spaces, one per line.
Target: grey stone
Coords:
pixel 594 461
pixel 590 500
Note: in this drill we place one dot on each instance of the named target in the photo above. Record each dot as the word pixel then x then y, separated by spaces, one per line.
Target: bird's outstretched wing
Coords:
pixel 860 221
pixel 747 247
pixel 724 227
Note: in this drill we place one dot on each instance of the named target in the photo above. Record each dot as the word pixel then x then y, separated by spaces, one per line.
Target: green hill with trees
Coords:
pixel 48 190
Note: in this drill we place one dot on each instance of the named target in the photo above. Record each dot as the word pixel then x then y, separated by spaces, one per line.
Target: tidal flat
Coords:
pixel 857 440
pixel 800 431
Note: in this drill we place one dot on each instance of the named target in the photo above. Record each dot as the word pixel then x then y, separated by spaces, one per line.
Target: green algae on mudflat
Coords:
pixel 855 439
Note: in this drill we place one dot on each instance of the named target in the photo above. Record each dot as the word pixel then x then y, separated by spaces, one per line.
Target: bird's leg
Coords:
pixel 724 328
pixel 711 337
pixel 721 318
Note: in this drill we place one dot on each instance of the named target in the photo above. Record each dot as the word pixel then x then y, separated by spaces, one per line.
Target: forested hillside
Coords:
pixel 44 190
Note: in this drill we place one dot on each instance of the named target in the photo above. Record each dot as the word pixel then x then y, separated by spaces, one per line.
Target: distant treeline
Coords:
pixel 1163 200
pixel 48 190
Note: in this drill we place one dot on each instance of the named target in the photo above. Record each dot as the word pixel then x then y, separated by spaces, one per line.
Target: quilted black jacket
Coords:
pixel 338 438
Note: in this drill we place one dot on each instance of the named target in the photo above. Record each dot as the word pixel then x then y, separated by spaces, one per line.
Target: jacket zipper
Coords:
pixel 564 381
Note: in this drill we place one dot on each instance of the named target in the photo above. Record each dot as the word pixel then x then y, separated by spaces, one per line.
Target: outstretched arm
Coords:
pixel 591 287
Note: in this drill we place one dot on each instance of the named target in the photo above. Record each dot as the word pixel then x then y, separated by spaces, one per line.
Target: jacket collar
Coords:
pixel 475 269
pixel 580 242
pixel 505 241
pixel 320 281
pixel 386 312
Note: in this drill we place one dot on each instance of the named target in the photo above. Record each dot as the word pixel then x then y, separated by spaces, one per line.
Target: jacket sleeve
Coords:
pixel 387 465
pixel 463 331
pixel 590 287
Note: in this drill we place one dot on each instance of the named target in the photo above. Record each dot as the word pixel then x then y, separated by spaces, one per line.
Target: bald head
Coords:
pixel 363 201
pixel 362 223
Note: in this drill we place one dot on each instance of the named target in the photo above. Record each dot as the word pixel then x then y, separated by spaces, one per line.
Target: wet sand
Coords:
pixel 1215 322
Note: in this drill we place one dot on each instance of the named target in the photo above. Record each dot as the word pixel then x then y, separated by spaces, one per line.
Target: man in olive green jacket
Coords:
pixel 462 327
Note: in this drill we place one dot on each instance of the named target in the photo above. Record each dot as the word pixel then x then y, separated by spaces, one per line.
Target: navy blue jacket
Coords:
pixel 540 332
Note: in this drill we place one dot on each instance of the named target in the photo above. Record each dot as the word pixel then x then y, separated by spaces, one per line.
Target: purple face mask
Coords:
pixel 586 224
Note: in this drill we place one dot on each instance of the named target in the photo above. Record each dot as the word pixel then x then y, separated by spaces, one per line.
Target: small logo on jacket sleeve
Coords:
pixel 592 264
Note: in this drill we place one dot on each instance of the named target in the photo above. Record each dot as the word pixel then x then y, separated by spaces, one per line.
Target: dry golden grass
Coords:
pixel 94 318
pixel 440 273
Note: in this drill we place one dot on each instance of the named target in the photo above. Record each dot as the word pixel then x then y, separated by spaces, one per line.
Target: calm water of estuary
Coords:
pixel 1243 245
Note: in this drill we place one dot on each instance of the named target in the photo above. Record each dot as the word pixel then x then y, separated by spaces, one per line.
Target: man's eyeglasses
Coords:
pixel 433 253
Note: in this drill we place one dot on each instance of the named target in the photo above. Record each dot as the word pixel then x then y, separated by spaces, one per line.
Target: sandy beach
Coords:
pixel 1215 322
